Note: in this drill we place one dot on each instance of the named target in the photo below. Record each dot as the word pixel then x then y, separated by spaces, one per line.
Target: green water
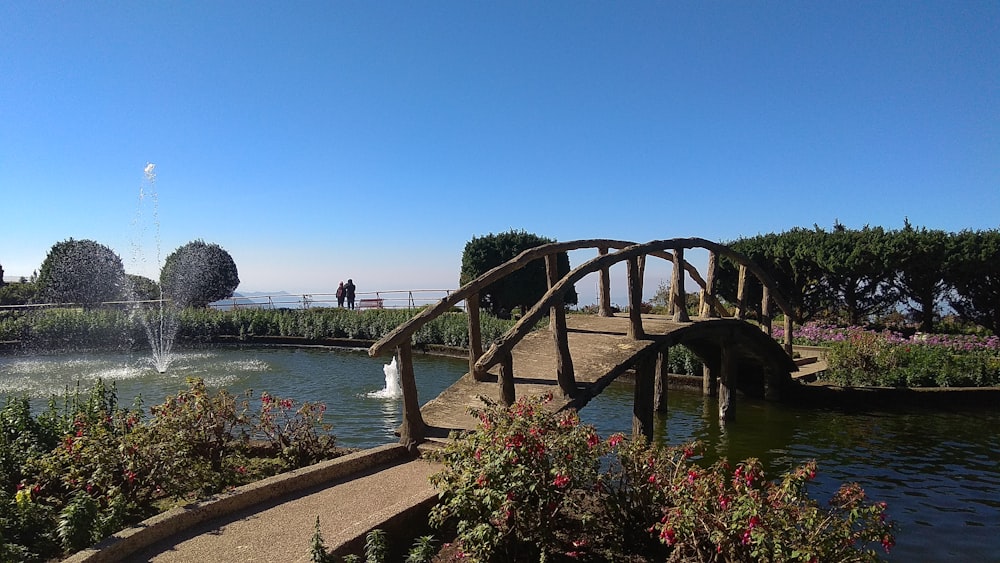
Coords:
pixel 937 470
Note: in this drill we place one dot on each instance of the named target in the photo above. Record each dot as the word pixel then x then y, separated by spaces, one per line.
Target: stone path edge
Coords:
pixel 131 540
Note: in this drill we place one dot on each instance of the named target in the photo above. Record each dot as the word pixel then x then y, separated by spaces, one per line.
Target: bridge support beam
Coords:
pixel 413 429
pixel 727 382
pixel 560 334
pixel 709 381
pixel 475 336
pixel 660 384
pixel 642 408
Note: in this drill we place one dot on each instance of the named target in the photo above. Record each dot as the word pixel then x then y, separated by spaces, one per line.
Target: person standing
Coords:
pixel 349 289
pixel 341 293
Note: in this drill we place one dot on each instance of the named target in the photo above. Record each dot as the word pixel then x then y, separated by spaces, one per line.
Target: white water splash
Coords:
pixel 393 388
pixel 159 319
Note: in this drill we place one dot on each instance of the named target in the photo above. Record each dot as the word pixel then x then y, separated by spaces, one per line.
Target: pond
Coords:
pixel 938 470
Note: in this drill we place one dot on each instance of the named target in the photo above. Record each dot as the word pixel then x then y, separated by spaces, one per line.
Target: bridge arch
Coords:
pixel 720 342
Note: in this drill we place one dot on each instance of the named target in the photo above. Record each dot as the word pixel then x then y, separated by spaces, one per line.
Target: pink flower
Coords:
pixel 593 440
pixel 615 439
pixel 724 502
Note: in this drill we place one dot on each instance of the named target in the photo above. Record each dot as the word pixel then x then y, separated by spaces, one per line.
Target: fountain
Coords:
pixel 161 320
pixel 392 390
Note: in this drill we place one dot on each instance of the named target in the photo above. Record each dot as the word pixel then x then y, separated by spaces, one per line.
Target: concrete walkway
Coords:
pixel 273 521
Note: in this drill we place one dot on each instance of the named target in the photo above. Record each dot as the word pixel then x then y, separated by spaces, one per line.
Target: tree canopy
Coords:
pixel 197 274
pixel 974 275
pixel 81 271
pixel 522 288
pixel 857 275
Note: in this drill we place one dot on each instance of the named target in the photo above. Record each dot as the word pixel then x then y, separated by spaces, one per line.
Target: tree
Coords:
pixel 973 272
pixel 81 271
pixel 198 273
pixel 21 293
pixel 922 255
pixel 1 275
pixel 787 258
pixel 141 288
pixel 522 288
pixel 859 268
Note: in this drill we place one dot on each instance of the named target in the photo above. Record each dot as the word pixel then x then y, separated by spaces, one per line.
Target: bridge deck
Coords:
pixel 600 350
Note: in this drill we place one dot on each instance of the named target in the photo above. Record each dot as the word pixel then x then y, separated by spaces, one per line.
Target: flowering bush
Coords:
pixel 532 485
pixel 95 467
pixel 862 357
pixel 512 486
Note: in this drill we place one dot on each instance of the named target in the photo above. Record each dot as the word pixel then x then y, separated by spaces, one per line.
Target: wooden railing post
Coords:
pixel 661 384
pixel 506 380
pixel 475 336
pixel 557 324
pixel 635 331
pixel 642 408
pixel 765 309
pixel 788 335
pixel 741 299
pixel 413 428
pixel 680 296
pixel 604 288
pixel 708 294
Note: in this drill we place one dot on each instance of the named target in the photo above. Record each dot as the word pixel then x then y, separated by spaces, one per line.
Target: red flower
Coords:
pixel 515 441
pixel 615 439
pixel 668 536
pixel 592 440
pixel 561 481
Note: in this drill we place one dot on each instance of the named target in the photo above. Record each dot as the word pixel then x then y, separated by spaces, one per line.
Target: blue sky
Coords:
pixel 317 141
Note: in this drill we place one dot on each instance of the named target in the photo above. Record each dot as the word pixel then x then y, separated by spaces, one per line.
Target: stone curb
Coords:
pixel 176 520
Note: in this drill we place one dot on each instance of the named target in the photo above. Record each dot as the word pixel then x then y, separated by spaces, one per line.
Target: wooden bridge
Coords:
pixel 579 355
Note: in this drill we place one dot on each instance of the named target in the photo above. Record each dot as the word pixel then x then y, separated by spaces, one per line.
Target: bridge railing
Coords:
pixel 630 252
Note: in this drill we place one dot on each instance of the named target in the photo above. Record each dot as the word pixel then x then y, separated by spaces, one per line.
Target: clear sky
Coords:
pixel 317 141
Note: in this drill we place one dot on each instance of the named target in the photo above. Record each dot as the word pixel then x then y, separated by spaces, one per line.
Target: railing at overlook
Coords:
pixel 391 299
pixel 634 254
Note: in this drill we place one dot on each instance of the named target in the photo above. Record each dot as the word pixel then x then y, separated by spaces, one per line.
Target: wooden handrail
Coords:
pixel 390 341
pixel 506 343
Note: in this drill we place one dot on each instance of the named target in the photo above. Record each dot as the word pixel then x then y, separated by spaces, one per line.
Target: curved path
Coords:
pixel 273 521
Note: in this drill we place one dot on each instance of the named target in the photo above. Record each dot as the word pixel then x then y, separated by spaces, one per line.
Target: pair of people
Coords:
pixel 346 291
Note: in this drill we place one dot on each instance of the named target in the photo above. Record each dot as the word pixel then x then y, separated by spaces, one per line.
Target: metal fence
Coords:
pixel 391 299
